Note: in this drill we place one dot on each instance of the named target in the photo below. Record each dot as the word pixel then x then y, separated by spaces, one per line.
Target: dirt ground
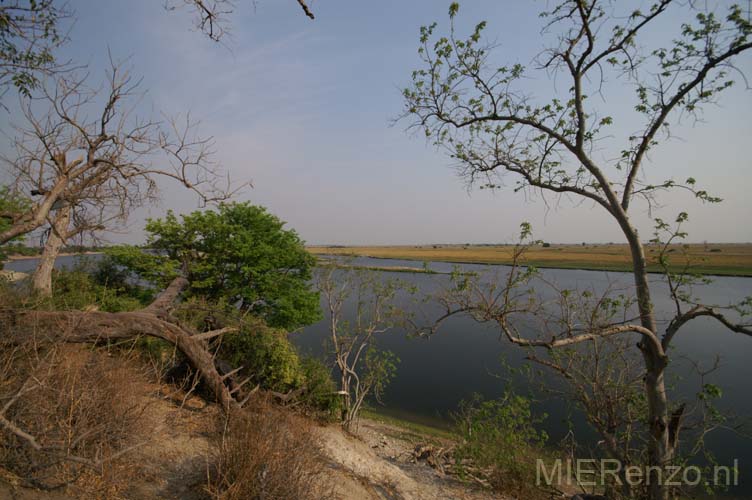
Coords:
pixel 381 457
pixel 377 463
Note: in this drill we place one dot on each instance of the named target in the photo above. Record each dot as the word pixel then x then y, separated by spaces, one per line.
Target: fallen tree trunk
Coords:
pixel 21 326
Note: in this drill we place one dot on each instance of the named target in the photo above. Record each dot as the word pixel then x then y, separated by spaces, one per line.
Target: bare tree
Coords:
pixel 211 16
pixel 482 115
pixel 581 336
pixel 364 368
pixel 88 161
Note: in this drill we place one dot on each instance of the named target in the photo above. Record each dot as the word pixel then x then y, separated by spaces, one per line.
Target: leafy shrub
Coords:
pixel 77 289
pixel 265 354
pixel 320 394
pixel 88 285
pixel 108 274
pixel 500 436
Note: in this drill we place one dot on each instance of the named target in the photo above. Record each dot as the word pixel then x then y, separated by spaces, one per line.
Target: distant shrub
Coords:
pixel 76 290
pixel 715 250
pixel 500 436
pixel 546 245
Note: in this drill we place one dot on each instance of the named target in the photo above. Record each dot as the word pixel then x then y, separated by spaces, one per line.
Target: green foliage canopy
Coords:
pixel 239 253
pixel 29 32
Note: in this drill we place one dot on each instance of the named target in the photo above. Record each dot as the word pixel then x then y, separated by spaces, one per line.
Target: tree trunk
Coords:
pixel 42 280
pixel 344 387
pixel 37 216
pixel 660 447
pixel 20 326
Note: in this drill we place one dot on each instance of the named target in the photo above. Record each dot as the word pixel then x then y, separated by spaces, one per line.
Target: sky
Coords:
pixel 305 110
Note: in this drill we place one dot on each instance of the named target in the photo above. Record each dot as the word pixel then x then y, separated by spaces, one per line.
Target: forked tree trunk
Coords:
pixel 42 279
pixel 344 389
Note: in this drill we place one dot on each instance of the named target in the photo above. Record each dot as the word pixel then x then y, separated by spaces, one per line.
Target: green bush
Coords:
pixel 320 394
pixel 76 290
pixel 265 354
pixel 11 203
pixel 500 436
pixel 71 290
pixel 107 273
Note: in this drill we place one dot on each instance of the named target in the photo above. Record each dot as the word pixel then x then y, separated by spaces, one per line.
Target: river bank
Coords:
pixel 12 276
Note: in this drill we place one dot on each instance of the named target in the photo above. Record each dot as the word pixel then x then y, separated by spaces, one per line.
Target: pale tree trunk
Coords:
pixel 660 446
pixel 345 414
pixel 42 279
pixel 36 217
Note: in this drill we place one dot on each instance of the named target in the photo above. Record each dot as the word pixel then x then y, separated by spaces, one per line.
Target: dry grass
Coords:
pixel 267 453
pixel 74 419
pixel 82 410
pixel 721 259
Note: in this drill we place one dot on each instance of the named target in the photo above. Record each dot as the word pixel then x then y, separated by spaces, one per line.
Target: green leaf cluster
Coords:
pixel 500 435
pixel 267 355
pixel 11 204
pixel 29 33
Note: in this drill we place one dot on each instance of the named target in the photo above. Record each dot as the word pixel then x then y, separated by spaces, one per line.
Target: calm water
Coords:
pixel 464 357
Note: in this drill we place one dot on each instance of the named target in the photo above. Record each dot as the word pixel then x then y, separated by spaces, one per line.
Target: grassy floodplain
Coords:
pixel 723 259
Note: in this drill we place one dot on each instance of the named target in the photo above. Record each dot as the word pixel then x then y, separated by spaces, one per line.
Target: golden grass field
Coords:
pixel 731 259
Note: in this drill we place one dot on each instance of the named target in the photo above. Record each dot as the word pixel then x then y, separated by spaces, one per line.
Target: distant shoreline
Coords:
pixel 712 259
pixel 623 269
pixel 740 265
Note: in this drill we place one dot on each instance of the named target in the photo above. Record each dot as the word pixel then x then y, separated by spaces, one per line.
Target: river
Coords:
pixel 464 357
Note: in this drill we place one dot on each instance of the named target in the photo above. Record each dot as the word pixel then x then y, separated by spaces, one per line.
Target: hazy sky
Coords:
pixel 304 109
